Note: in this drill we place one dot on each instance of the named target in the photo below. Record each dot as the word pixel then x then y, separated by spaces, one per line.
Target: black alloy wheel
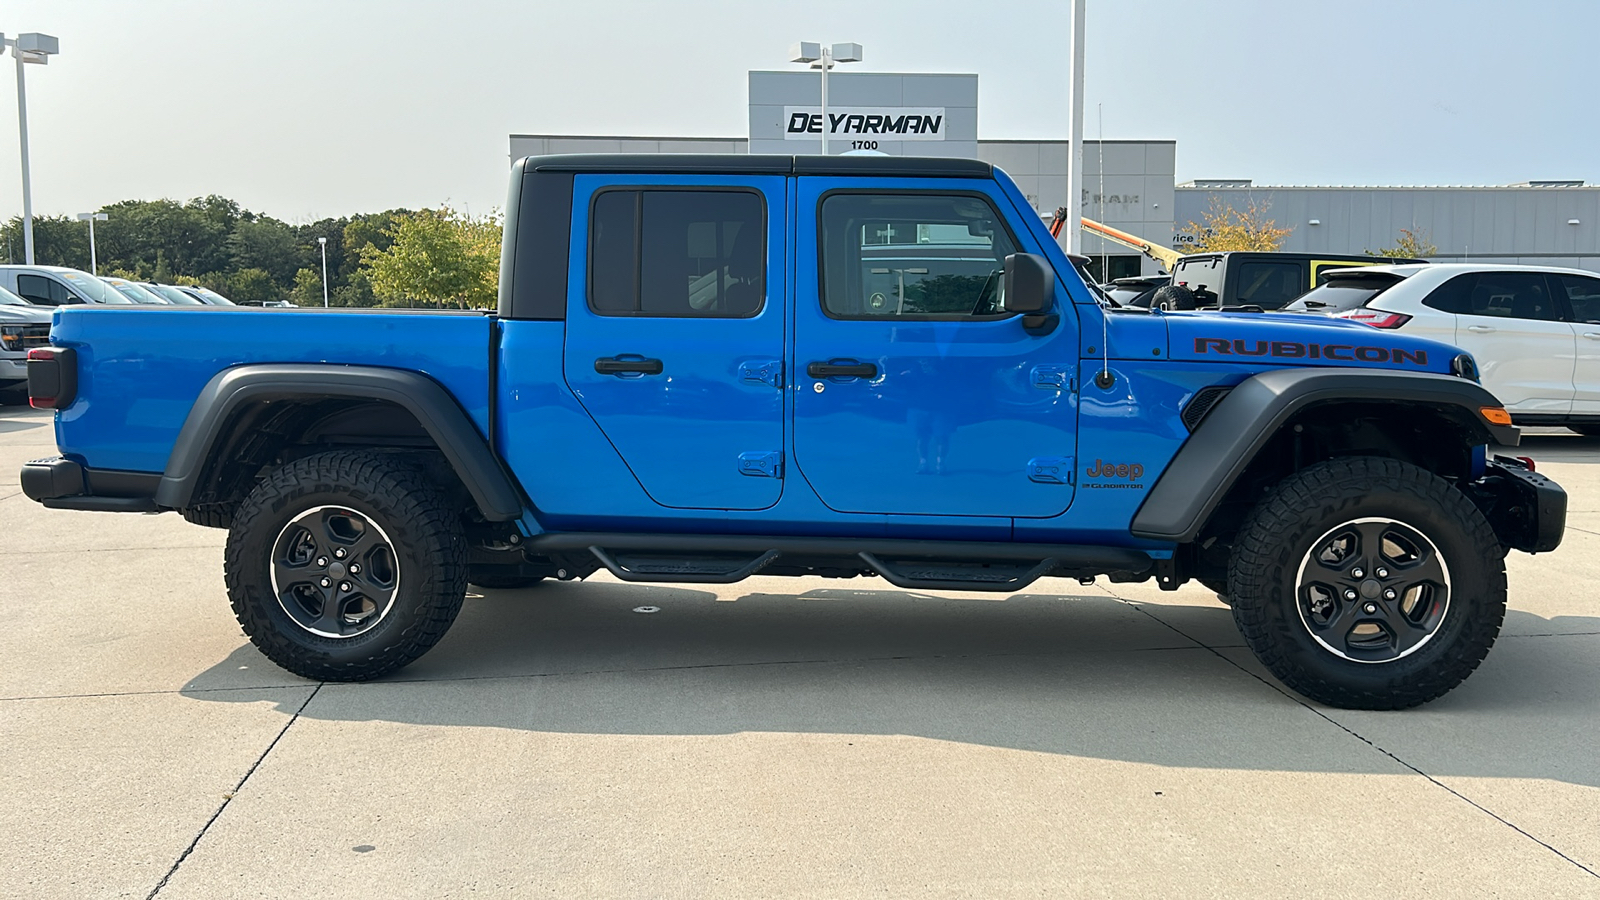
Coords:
pixel 334 572
pixel 1373 590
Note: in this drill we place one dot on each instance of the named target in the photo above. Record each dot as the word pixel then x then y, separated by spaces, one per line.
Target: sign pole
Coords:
pixel 1074 225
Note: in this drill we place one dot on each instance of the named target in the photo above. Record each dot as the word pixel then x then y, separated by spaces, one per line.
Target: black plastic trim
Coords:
pixel 47 479
pixel 757 164
pixel 1530 512
pixel 434 408
pixel 535 245
pixel 1241 423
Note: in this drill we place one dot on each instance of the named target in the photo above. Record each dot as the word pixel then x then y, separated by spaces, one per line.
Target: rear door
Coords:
pixel 1512 325
pixel 675 331
pixel 917 393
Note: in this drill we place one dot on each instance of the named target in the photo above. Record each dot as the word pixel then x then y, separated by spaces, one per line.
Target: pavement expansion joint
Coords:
pixel 111 550
pixel 1144 608
pixel 228 797
pixel 186 691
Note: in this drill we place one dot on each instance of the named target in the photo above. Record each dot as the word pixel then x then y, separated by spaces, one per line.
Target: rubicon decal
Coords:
pixel 1296 350
pixel 1105 474
pixel 889 123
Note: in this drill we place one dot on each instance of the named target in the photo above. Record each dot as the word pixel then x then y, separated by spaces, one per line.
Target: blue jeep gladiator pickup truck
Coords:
pixel 707 367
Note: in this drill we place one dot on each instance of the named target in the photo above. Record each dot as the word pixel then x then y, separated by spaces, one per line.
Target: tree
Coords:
pixel 270 245
pixel 1410 245
pixel 436 257
pixel 57 241
pixel 1226 228
pixel 307 290
pixel 253 286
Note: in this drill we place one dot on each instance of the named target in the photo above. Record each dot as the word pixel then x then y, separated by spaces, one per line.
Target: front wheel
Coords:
pixel 1368 583
pixel 345 566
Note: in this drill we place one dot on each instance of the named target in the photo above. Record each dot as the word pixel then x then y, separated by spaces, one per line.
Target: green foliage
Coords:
pixel 1410 245
pixel 436 258
pixel 307 290
pixel 253 286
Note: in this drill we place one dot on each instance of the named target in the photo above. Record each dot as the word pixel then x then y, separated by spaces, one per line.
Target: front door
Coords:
pixel 1582 293
pixel 675 332
pixel 916 391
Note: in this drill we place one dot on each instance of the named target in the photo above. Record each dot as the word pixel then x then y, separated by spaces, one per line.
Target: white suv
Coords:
pixel 1534 330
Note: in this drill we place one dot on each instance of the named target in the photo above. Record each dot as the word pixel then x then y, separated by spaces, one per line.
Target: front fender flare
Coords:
pixel 1236 429
pixel 433 406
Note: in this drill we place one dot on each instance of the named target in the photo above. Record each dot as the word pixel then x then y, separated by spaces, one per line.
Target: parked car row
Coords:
pixel 61 286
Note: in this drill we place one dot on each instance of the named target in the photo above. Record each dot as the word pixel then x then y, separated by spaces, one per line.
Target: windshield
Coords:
pixel 213 296
pixel 173 294
pixel 1341 294
pixel 92 289
pixel 136 293
pixel 1132 294
pixel 9 299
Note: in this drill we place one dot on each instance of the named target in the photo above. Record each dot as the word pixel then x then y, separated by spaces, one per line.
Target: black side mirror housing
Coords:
pixel 1029 283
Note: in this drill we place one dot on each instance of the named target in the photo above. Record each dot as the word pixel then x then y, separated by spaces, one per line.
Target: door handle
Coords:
pixel 1592 335
pixel 841 370
pixel 1481 329
pixel 616 365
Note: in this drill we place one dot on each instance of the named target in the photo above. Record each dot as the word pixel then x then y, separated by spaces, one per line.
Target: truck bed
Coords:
pixel 140 369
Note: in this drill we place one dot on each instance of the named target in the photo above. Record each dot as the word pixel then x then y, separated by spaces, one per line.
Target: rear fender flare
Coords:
pixel 230 390
pixel 1236 429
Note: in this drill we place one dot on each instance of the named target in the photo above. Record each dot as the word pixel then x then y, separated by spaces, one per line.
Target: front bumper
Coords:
pixel 61 483
pixel 1527 510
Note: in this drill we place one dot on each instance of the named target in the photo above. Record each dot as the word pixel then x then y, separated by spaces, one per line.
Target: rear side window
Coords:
pixel 1339 294
pixel 1203 276
pixel 39 289
pixel 1269 285
pixel 1583 295
pixel 1501 295
pixel 926 256
pixel 677 253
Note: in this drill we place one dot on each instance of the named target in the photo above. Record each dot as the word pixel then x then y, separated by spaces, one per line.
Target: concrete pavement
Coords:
pixel 773 738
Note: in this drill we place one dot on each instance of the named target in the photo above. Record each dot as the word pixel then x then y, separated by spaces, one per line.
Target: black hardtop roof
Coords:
pixel 1297 255
pixel 757 164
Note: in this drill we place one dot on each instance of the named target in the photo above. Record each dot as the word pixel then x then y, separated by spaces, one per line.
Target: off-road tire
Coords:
pixel 505 582
pixel 1278 535
pixel 424 531
pixel 1173 297
pixel 1586 430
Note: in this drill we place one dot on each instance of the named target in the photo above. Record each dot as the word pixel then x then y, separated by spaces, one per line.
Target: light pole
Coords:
pixel 91 218
pixel 323 242
pixel 1074 226
pixel 32 47
pixel 823 57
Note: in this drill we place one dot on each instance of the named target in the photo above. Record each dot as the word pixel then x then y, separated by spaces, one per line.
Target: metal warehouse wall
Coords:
pixel 1527 225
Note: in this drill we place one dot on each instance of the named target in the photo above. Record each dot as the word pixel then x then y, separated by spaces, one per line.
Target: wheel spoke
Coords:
pixel 329 619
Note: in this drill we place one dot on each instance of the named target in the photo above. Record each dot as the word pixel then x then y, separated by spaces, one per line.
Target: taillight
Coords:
pixel 52 377
pixel 1377 318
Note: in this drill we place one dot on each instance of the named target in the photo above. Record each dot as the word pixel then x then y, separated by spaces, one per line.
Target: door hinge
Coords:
pixel 762 371
pixel 761 463
pixel 1050 469
pixel 1053 378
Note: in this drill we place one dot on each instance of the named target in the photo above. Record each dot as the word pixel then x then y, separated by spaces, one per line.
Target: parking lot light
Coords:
pixel 822 56
pixel 35 48
pixel 323 242
pixel 91 218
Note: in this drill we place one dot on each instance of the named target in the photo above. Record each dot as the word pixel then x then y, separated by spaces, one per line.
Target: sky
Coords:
pixel 303 109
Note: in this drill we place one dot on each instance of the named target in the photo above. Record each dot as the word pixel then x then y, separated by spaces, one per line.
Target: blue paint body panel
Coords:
pixel 140 369
pixel 968 430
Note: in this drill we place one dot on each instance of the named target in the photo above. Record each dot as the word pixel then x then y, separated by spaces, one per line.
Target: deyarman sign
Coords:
pixel 805 123
pixel 900 114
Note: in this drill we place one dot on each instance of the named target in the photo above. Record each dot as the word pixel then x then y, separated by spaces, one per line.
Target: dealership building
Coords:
pixel 1131 185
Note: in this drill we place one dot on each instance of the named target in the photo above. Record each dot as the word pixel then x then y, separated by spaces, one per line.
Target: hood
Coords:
pixel 11 314
pixel 1283 339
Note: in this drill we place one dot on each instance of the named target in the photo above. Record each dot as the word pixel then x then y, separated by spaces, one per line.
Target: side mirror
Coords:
pixel 1028 285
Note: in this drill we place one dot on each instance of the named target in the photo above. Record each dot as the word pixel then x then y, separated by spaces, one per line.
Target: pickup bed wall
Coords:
pixel 140 370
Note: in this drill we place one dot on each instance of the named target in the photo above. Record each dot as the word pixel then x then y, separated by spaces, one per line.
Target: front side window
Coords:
pixel 677 253
pixel 1501 295
pixel 1583 295
pixel 46 291
pixel 930 256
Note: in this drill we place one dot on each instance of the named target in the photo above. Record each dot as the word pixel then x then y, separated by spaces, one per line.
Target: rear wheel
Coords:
pixel 1368 583
pixel 345 566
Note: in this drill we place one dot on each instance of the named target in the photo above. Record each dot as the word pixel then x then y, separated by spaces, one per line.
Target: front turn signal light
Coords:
pixel 1496 415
